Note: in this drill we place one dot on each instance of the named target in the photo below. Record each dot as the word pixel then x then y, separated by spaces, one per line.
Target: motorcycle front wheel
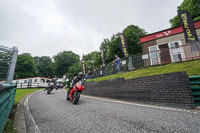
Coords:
pixel 76 97
pixel 49 90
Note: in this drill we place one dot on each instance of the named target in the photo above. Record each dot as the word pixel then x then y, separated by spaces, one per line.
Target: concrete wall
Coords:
pixel 166 90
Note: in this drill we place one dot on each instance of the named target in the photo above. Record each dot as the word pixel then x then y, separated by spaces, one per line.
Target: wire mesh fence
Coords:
pixel 8 58
pixel 131 63
pixel 159 55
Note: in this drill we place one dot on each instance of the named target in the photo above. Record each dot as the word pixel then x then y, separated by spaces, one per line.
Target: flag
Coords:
pixel 188 26
pixel 123 45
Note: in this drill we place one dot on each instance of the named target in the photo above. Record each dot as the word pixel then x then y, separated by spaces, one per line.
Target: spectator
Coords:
pixel 86 76
pixel 117 63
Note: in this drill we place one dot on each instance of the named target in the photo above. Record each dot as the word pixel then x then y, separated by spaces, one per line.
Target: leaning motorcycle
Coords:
pixel 49 89
pixel 75 92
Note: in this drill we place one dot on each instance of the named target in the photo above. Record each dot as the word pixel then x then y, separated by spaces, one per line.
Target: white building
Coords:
pixel 34 82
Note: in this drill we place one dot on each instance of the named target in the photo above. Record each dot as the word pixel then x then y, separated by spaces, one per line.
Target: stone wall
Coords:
pixel 165 90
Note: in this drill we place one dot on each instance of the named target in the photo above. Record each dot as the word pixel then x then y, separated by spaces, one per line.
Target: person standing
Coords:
pixel 117 63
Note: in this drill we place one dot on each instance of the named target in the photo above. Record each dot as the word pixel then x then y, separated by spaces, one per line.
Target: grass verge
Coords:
pixel 20 93
pixel 191 67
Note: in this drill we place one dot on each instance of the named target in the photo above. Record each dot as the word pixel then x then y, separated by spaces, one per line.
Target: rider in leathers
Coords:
pixel 74 81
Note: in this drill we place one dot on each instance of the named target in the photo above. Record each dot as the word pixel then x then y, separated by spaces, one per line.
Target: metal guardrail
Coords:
pixel 195 86
pixel 7 96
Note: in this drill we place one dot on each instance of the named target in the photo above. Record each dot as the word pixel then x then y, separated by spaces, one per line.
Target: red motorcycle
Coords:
pixel 75 93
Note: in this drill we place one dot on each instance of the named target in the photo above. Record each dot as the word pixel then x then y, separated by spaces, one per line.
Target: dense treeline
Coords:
pixel 65 64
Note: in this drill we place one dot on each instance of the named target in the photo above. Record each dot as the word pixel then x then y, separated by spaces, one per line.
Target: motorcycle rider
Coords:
pixel 50 84
pixel 74 81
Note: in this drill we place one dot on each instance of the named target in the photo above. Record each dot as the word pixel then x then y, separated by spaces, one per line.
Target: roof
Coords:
pixel 165 33
pixel 34 77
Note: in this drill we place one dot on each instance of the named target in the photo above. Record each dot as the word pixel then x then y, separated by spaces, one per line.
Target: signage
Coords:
pixel 188 26
pixel 166 33
pixel 123 62
pixel 146 56
pixel 83 68
pixel 123 45
pixel 103 57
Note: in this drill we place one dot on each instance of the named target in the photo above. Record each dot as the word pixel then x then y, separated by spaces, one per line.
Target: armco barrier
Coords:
pixel 7 96
pixel 195 86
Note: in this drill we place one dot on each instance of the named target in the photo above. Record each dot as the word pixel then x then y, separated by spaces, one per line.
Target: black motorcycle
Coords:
pixel 49 89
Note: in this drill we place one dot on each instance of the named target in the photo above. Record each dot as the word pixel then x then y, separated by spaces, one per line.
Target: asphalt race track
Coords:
pixel 53 114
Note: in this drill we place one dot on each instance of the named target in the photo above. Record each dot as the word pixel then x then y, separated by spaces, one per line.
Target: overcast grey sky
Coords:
pixel 47 27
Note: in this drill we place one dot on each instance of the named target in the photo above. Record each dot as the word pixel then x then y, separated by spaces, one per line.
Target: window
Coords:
pixel 175 51
pixel 196 45
pixel 35 80
pixel 42 80
pixel 154 55
pixel 25 81
pixel 47 81
pixel 30 80
pixel 17 82
pixel 174 45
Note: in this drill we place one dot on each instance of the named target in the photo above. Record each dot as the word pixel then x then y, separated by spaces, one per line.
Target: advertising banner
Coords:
pixel 83 68
pixel 188 26
pixel 123 45
pixel 103 57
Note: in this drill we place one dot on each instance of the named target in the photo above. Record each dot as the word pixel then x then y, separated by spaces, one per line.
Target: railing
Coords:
pixel 7 96
pixel 176 54
pixel 8 58
pixel 195 86
pixel 160 56
pixel 28 85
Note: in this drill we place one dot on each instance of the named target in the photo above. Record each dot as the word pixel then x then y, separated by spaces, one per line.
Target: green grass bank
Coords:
pixel 191 67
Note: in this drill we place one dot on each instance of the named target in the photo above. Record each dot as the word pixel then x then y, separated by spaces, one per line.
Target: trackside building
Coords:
pixel 33 82
pixel 169 46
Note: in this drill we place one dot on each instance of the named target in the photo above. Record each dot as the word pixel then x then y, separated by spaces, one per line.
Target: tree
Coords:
pixel 63 61
pixel 44 66
pixel 113 47
pixel 25 66
pixel 133 34
pixel 92 60
pixel 192 7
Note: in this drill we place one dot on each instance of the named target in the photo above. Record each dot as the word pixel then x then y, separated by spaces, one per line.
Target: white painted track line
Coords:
pixel 141 105
pixel 36 128
pixel 137 104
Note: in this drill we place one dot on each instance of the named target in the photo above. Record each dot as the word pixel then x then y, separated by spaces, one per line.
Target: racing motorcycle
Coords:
pixel 75 92
pixel 49 89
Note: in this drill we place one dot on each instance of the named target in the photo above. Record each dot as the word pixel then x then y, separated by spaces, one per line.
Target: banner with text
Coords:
pixel 83 68
pixel 123 45
pixel 188 26
pixel 103 57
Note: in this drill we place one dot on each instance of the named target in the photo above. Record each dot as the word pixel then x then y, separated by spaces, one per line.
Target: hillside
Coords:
pixel 191 67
